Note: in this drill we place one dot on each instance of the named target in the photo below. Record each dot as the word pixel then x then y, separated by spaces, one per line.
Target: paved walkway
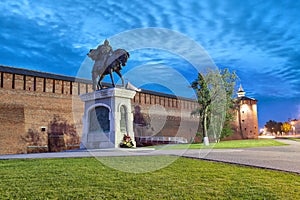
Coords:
pixel 284 158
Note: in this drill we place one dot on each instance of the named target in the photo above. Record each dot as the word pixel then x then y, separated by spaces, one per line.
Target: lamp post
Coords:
pixel 293 127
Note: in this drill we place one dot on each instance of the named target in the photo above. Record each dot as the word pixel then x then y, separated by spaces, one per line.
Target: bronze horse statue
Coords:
pixel 113 63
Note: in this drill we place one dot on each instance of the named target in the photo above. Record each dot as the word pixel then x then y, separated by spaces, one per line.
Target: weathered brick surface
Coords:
pixel 39 84
pixel 29 85
pixel 169 121
pixel 19 82
pixel 12 123
pixel 7 80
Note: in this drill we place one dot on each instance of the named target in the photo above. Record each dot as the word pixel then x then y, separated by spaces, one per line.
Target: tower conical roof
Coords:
pixel 241 92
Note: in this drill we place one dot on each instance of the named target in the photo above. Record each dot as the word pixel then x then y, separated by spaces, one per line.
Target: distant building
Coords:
pixel 43 109
pixel 295 127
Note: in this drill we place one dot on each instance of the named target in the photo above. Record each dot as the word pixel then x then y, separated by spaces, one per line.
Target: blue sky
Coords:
pixel 260 40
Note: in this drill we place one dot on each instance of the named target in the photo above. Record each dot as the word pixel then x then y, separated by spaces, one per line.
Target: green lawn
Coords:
pixel 226 144
pixel 87 178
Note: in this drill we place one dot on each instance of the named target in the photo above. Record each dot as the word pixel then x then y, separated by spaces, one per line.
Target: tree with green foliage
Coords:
pixel 286 127
pixel 204 100
pixel 229 81
pixel 273 126
pixel 214 91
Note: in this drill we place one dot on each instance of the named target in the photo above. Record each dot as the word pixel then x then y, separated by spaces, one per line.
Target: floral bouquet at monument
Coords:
pixel 127 142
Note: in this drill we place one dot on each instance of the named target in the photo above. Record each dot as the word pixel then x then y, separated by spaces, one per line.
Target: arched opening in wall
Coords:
pixel 123 120
pixel 99 119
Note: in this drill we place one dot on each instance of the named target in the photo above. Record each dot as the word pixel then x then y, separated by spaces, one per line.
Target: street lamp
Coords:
pixel 293 127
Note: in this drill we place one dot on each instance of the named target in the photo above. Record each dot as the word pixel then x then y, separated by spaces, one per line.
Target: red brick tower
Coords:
pixel 246 116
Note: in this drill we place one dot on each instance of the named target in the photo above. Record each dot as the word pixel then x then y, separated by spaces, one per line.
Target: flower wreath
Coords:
pixel 126 142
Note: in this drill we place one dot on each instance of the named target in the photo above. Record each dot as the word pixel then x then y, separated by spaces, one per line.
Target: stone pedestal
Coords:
pixel 107 117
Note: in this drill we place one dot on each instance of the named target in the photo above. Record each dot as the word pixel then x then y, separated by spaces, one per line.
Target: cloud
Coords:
pixel 258 39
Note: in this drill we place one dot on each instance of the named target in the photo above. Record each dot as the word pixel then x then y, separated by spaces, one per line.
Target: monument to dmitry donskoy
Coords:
pixel 107 112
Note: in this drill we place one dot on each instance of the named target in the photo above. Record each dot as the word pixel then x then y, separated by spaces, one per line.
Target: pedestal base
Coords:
pixel 107 117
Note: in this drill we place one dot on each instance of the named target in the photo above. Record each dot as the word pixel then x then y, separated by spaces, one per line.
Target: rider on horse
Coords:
pixel 107 61
pixel 100 55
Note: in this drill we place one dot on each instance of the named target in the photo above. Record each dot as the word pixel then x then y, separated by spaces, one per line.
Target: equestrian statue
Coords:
pixel 107 61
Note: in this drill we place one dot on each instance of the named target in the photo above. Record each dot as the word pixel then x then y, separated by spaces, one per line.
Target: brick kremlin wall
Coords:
pixel 165 116
pixel 30 101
